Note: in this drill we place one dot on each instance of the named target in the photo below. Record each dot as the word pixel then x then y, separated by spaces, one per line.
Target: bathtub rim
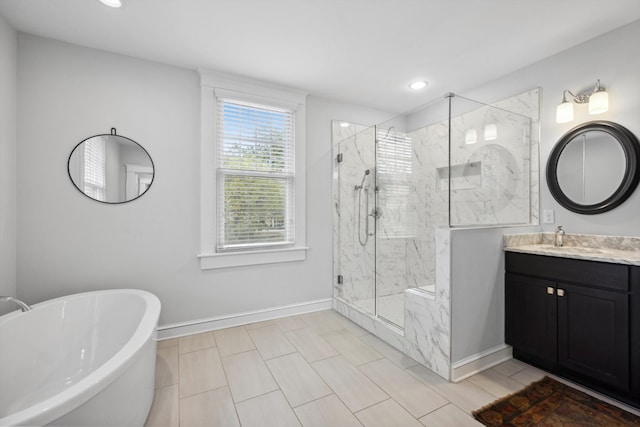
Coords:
pixel 56 406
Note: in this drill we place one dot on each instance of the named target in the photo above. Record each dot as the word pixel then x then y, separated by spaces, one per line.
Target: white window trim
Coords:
pixel 213 85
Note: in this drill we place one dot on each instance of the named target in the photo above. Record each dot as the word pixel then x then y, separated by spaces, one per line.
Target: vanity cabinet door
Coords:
pixel 530 317
pixel 593 334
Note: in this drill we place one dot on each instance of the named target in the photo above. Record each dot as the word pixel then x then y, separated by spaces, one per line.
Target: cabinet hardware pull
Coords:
pixel 560 292
pixel 550 290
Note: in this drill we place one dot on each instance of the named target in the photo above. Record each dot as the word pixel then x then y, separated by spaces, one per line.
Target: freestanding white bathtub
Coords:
pixel 81 360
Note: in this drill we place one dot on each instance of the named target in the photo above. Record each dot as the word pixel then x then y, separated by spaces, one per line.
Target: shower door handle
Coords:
pixel 366 192
pixel 362 188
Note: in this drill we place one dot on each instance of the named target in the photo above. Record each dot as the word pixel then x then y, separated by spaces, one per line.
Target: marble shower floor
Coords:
pixel 390 307
pixel 317 369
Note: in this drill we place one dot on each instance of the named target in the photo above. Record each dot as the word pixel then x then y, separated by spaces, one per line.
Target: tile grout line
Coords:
pixel 340 399
pixel 400 404
pixel 270 373
pixel 226 379
pixel 316 372
pixel 280 386
pixel 349 336
pixel 331 388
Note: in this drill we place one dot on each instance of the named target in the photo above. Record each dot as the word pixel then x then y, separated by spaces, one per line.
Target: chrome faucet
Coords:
pixel 559 240
pixel 23 306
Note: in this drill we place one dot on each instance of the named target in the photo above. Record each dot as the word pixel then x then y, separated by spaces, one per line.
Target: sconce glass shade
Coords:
pixel 599 102
pixel 470 136
pixel 564 112
pixel 490 132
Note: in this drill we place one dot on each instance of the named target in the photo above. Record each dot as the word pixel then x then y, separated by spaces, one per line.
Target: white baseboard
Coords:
pixel 480 361
pixel 175 330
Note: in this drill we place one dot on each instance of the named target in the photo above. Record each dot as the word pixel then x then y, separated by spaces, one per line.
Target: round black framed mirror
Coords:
pixel 594 167
pixel 111 168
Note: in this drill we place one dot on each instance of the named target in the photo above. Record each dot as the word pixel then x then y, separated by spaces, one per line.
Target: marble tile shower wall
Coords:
pixel 391 270
pixel 430 152
pixel 492 182
pixel 355 262
pixel 491 179
pixel 501 180
pixel 528 104
pixel 392 227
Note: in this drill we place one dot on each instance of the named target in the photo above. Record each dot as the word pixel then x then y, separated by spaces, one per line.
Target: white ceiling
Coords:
pixel 360 51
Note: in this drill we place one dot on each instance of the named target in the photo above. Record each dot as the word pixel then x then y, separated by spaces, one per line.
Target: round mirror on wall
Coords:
pixel 111 168
pixel 593 168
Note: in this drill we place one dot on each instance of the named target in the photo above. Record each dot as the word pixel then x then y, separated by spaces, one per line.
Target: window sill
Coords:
pixel 239 259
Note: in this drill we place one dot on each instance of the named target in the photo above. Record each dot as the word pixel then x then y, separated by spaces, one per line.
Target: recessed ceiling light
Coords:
pixel 418 85
pixel 344 124
pixel 112 3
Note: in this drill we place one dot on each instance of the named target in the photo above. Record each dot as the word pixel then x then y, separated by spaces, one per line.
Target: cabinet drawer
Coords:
pixel 600 274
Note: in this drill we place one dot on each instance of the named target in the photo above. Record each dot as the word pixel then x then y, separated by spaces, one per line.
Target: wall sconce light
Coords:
pixel 470 136
pixel 598 103
pixel 490 132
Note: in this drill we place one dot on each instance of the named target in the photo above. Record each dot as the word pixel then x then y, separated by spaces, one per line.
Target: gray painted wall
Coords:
pixel 68 243
pixel 477 260
pixel 8 69
pixel 477 289
pixel 614 58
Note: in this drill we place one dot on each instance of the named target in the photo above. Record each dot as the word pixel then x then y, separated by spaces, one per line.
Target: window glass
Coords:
pixel 255 176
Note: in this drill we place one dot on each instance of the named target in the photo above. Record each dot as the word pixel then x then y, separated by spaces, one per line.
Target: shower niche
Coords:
pixel 400 188
pixel 460 177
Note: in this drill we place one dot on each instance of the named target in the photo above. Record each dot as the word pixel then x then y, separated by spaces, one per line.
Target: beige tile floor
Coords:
pixel 317 369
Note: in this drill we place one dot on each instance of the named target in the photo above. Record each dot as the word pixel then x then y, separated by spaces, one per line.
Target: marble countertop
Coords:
pixel 614 249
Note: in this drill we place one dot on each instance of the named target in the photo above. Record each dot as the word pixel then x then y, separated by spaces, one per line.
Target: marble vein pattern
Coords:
pixel 428 320
pixel 426 337
pixel 501 194
pixel 614 249
pixel 421 182
pixel 356 262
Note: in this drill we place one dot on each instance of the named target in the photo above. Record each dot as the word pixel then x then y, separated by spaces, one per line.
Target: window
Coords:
pixel 252 173
pixel 255 175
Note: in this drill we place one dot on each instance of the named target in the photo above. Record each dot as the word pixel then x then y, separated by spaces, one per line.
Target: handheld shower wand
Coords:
pixel 364 177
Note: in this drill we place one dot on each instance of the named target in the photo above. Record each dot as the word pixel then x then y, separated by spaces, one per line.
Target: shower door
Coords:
pixel 460 163
pixel 354 194
pixel 376 218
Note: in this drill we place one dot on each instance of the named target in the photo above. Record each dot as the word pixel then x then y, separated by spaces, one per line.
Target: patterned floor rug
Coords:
pixel 549 403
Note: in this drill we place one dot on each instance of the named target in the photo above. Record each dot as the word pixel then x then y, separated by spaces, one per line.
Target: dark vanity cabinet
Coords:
pixel 579 319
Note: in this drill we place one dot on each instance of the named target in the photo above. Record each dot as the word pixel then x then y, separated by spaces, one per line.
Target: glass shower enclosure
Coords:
pixel 453 163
